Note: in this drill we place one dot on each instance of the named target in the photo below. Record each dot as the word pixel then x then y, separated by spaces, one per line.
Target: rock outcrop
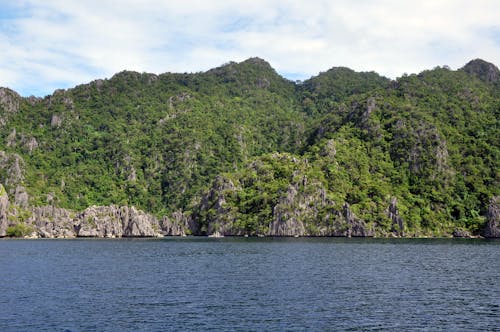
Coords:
pixel 218 217
pixel 485 71
pixel 4 206
pixel 397 221
pixel 113 221
pixel 295 208
pixel 356 227
pixel 53 222
pixel 95 221
pixel 492 229
pixel 241 206
pixel 9 100
pixel 179 224
pixel 12 167
pixel 461 233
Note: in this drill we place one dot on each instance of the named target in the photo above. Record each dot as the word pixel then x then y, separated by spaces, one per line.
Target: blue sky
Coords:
pixel 54 44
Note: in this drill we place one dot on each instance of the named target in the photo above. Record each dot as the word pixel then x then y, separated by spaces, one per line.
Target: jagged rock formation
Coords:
pixel 289 214
pixel 353 226
pixel 9 100
pixel 240 150
pixel 493 219
pixel 220 218
pixel 179 224
pixel 95 221
pixel 113 221
pixel 300 209
pixel 4 206
pixel 485 71
pixel 397 221
pixel 11 169
pixel 298 213
pixel 52 222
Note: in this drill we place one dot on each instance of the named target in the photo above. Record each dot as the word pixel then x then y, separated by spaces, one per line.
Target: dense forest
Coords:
pixel 239 150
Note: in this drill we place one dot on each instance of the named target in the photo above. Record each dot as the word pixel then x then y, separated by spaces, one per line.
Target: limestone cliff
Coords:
pixel 95 221
pixel 493 219
pixel 113 221
pixel 397 221
pixel 279 195
pixel 178 224
pixel 217 217
pixel 52 222
pixel 307 211
pixel 4 206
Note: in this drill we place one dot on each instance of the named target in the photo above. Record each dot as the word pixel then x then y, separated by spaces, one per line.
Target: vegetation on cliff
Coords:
pixel 240 150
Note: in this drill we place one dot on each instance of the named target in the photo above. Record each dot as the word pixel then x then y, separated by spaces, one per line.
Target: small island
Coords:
pixel 241 151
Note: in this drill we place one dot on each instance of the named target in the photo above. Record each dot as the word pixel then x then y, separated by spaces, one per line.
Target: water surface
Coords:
pixel 249 284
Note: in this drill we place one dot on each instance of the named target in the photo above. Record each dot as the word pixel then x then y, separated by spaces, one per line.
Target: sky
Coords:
pixel 51 44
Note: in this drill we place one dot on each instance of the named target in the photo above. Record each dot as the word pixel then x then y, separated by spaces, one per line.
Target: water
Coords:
pixel 249 284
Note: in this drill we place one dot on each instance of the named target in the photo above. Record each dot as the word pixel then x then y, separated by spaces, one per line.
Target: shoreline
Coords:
pixel 478 237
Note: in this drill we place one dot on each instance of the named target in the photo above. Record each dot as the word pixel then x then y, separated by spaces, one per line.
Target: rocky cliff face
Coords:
pixel 95 221
pixel 219 217
pixel 113 221
pixel 397 221
pixel 178 224
pixel 300 209
pixel 52 222
pixel 353 226
pixel 493 219
pixel 485 71
pixel 9 100
pixel 4 206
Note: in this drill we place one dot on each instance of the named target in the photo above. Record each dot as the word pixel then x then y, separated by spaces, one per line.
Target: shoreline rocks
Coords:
pixel 124 221
pixel 95 221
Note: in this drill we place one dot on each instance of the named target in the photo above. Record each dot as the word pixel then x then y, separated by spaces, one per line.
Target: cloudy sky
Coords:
pixel 50 44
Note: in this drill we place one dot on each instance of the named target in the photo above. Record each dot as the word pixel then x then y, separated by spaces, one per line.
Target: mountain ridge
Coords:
pixel 471 67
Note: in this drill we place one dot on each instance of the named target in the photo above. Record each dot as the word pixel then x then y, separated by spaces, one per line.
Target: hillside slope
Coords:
pixel 239 150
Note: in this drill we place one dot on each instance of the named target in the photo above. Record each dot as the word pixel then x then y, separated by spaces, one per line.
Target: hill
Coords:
pixel 239 150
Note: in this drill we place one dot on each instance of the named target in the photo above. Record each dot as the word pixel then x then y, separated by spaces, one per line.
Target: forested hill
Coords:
pixel 239 150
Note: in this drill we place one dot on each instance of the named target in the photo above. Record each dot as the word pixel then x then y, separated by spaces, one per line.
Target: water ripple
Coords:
pixel 250 284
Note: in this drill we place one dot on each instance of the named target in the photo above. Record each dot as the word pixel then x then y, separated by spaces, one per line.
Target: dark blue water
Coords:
pixel 249 284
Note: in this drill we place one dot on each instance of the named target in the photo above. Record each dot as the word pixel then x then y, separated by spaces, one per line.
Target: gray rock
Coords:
pixel 397 221
pixel 461 233
pixel 21 197
pixel 219 217
pixel 95 221
pixel 356 227
pixel 30 144
pixel 179 224
pixel 11 139
pixel 485 71
pixel 56 120
pixel 99 221
pixel 289 213
pixel 140 224
pixel 4 207
pixel 492 229
pixel 14 164
pixel 9 100
pixel 53 222
pixel 113 221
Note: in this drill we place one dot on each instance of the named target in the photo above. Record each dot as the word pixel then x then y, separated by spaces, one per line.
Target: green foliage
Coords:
pixel 158 142
pixel 19 230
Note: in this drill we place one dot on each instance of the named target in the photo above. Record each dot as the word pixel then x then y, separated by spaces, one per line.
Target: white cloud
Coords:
pixel 62 43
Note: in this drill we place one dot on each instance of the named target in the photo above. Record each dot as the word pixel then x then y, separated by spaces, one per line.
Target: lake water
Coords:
pixel 249 284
